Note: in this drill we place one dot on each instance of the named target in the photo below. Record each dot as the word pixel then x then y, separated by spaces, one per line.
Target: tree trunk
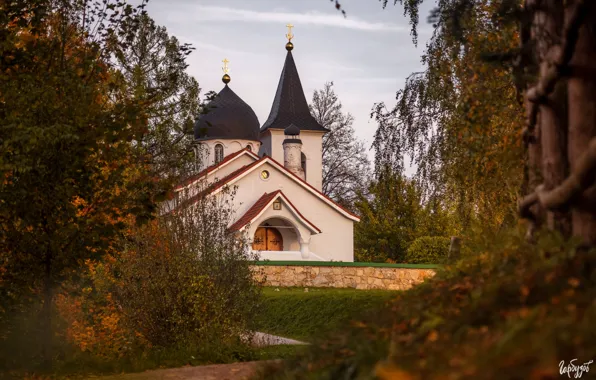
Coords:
pixel 535 175
pixel 582 118
pixel 553 115
pixel 534 141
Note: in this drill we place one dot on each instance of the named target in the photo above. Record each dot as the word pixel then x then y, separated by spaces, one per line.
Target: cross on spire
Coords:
pixel 289 35
pixel 225 66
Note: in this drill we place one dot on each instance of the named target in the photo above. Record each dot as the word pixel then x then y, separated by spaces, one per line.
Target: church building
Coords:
pixel 277 171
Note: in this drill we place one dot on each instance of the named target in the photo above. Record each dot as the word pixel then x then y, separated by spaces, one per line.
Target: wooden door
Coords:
pixel 259 243
pixel 267 239
pixel 274 240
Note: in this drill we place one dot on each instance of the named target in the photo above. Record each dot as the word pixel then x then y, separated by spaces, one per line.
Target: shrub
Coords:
pixel 185 279
pixel 428 250
pixel 182 282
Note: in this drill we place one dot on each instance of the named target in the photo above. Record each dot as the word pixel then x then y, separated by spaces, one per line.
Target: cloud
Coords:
pixel 199 45
pixel 213 13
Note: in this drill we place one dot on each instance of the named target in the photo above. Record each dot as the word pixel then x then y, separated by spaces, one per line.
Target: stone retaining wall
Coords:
pixel 342 276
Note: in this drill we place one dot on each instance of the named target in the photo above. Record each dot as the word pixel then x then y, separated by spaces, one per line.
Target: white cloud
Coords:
pixel 212 13
pixel 199 45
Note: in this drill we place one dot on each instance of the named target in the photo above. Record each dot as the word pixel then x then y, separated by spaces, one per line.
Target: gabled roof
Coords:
pixel 228 159
pixel 236 175
pixel 262 203
pixel 219 184
pixel 289 105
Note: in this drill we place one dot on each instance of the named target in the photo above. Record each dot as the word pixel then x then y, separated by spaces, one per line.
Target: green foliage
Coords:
pixel 512 310
pixel 460 119
pixel 75 160
pixel 186 279
pixel 67 134
pixel 181 290
pixel 154 66
pixel 393 215
pixel 388 220
pixel 294 313
pixel 428 250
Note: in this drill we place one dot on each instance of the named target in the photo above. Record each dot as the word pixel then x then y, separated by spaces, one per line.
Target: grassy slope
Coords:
pixel 290 312
pixel 294 313
pixel 512 311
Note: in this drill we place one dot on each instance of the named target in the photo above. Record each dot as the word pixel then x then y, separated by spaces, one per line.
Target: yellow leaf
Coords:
pixel 433 336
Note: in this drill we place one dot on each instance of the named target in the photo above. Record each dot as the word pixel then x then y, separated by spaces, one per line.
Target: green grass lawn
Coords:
pixel 294 313
pixel 289 312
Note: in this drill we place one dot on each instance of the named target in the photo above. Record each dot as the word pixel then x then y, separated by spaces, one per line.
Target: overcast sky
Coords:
pixel 367 55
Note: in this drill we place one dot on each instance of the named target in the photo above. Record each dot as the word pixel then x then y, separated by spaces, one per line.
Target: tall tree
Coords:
pixel 549 66
pixel 154 67
pixel 459 119
pixel 346 168
pixel 387 218
pixel 71 164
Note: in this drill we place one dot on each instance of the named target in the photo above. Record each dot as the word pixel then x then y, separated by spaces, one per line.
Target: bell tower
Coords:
pixel 290 108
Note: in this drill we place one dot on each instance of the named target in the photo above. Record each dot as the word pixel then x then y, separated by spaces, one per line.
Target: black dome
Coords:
pixel 227 117
pixel 292 130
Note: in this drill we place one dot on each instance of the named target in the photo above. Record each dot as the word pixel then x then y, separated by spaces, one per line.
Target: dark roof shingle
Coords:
pixel 227 117
pixel 289 105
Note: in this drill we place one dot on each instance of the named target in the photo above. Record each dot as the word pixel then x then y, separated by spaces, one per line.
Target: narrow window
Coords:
pixel 303 163
pixel 249 148
pixel 218 153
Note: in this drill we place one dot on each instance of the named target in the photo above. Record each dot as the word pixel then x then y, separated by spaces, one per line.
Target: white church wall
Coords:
pixel 207 149
pixel 312 147
pixel 336 240
pixel 272 141
pixel 229 168
pixel 221 172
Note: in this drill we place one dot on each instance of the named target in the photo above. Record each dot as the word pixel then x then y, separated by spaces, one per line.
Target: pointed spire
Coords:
pixel 290 105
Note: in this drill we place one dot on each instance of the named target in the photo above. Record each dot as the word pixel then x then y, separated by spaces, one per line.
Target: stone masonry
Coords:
pixel 342 277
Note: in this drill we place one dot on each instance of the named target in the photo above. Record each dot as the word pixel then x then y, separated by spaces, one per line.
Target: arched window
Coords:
pixel 249 147
pixel 303 163
pixel 218 153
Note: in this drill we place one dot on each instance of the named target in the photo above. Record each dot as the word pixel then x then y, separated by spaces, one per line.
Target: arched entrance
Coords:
pixel 267 239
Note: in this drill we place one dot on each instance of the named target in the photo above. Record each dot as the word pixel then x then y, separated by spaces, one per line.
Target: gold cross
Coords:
pixel 289 36
pixel 225 66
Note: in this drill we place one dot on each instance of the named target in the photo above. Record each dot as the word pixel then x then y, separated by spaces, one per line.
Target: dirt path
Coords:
pixel 234 371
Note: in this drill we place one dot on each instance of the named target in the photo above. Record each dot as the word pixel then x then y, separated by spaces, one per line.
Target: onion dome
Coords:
pixel 292 130
pixel 227 116
pixel 292 133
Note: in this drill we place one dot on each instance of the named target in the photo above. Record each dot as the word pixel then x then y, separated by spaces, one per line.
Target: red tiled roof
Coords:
pixel 312 187
pixel 211 168
pixel 218 184
pixel 242 170
pixel 260 204
pixel 252 212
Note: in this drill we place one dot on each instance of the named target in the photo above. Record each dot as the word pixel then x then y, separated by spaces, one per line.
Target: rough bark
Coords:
pixel 553 113
pixel 454 248
pixel 582 119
